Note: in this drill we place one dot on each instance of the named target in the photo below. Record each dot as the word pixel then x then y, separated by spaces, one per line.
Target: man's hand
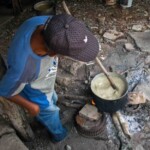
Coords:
pixel 32 108
pixel 34 111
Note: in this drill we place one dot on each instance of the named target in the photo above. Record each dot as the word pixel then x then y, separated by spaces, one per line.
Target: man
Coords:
pixel 32 65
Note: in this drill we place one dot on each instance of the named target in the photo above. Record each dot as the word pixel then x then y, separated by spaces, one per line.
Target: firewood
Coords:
pixel 75 97
pixel 124 142
pixel 124 124
pixel 116 121
pixel 67 104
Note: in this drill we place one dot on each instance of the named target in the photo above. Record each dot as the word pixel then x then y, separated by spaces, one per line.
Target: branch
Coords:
pixel 66 8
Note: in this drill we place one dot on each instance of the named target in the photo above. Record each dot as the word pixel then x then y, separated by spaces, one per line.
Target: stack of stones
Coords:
pixel 90 122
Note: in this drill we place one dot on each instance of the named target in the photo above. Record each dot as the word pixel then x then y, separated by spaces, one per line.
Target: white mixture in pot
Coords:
pixel 102 88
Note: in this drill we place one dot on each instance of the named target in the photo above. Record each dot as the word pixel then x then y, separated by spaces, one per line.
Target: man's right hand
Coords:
pixel 35 110
pixel 32 108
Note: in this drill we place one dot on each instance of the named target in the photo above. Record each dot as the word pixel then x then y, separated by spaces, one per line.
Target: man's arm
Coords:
pixel 32 108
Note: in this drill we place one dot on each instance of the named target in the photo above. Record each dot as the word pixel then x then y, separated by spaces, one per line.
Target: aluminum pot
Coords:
pixel 110 106
pixel 45 8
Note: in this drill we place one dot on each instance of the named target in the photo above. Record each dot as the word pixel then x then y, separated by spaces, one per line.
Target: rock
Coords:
pixel 147 127
pixel 17 119
pixel 139 147
pixel 90 112
pixel 75 66
pixel 129 47
pixel 5 128
pixel 147 60
pixel 11 142
pixel 135 98
pixel 86 81
pixel 106 48
pixel 112 35
pixel 80 120
pixel 68 147
pixel 101 20
pixel 137 27
pixel 70 66
pixel 133 78
pixel 101 31
pixel 144 87
pixel 8 138
pixel 147 30
pixel 142 40
pixel 89 125
pixel 63 81
pixel 148 25
pixel 120 61
pixel 146 14
pixel 121 41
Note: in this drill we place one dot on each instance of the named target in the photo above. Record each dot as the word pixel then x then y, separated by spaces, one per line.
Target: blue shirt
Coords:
pixel 28 74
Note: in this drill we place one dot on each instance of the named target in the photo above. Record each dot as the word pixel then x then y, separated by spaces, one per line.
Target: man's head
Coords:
pixel 68 36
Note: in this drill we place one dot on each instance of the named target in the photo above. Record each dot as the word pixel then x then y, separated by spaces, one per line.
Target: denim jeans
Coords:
pixel 49 117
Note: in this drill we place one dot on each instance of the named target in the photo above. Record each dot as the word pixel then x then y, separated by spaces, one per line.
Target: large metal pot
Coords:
pixel 45 8
pixel 110 106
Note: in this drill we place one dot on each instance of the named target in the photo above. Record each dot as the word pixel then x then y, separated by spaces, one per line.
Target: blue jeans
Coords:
pixel 49 117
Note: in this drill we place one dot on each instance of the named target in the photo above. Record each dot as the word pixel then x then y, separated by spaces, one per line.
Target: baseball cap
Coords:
pixel 68 36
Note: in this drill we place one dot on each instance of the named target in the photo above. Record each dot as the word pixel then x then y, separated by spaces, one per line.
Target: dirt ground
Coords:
pixel 74 77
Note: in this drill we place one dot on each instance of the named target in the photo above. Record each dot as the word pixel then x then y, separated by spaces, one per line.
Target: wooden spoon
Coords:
pixel 106 73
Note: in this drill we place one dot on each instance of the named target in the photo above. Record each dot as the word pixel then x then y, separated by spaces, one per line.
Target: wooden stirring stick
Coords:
pixel 106 73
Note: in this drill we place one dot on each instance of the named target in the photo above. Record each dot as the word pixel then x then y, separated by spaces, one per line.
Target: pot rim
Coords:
pixel 114 74
pixel 41 3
